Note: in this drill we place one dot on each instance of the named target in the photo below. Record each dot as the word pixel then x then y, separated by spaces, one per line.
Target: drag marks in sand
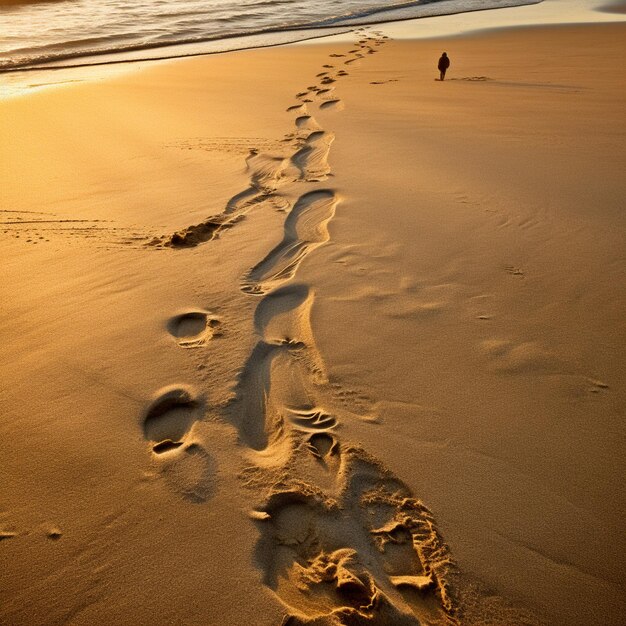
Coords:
pixel 266 175
pixel 34 227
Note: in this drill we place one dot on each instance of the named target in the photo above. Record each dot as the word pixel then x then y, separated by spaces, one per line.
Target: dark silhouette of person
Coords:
pixel 443 65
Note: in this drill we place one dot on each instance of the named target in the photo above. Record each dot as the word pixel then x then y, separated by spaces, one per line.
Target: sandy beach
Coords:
pixel 302 335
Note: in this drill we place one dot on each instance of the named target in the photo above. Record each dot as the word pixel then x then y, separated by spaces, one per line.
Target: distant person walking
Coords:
pixel 443 65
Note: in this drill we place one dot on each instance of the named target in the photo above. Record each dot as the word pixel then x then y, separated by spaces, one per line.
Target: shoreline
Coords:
pixel 344 25
pixel 406 306
pixel 447 25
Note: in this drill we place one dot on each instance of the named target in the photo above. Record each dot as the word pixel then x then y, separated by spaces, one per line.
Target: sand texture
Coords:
pixel 305 336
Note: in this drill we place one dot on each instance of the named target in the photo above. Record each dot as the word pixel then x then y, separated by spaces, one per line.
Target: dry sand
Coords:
pixel 352 356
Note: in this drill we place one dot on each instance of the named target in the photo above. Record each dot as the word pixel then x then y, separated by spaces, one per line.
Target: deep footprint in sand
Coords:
pixel 183 463
pixel 193 328
pixel 267 173
pixel 323 445
pixel 276 394
pixel 366 553
pixel 170 417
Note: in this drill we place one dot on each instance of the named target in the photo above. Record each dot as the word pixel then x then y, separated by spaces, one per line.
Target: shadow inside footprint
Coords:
pixel 332 104
pixel 166 445
pixel 169 418
pixel 323 445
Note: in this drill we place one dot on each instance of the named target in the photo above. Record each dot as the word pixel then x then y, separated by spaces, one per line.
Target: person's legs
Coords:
pixel 442 74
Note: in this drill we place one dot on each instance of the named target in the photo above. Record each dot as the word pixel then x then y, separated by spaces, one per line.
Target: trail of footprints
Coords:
pixel 342 540
pixel 269 172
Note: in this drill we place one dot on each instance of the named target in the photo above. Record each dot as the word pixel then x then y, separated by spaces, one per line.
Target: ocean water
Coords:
pixel 72 32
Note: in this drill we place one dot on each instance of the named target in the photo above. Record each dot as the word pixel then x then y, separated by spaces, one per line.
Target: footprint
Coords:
pixel 297 108
pixel 367 553
pixel 514 271
pixel 170 417
pixel 184 464
pixel 528 357
pixel 334 105
pixel 193 328
pixel 305 229
pixel 277 388
pixel 306 122
pixel 257 409
pixel 312 159
pixel 283 315
pixel 323 445
pixel 266 172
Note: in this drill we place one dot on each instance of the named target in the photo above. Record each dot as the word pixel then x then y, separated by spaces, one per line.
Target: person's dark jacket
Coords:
pixel 444 63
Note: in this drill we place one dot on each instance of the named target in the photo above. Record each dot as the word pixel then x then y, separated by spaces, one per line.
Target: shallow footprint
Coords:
pixel 191 474
pixel 193 328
